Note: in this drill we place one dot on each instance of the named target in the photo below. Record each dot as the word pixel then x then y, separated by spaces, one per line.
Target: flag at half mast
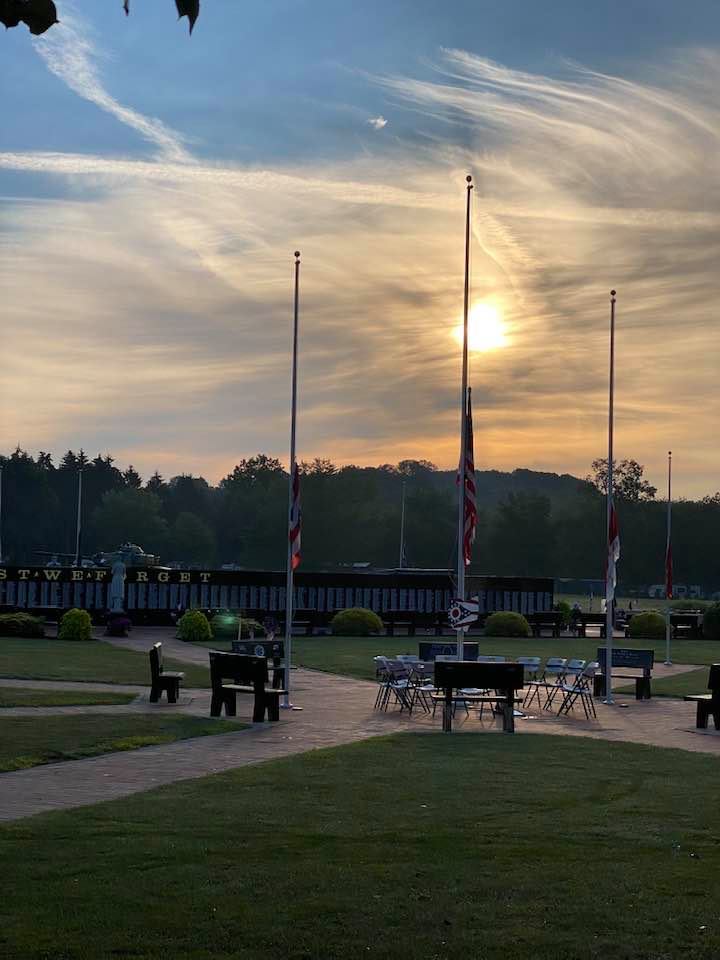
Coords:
pixel 613 555
pixel 295 519
pixel 668 569
pixel 468 474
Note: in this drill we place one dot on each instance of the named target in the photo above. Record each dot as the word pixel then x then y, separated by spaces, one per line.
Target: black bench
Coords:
pixel 162 679
pixel 708 703
pixel 430 649
pixel 686 623
pixel 586 620
pixel 504 678
pixel 630 659
pixel 270 649
pixel 245 675
pixel 548 620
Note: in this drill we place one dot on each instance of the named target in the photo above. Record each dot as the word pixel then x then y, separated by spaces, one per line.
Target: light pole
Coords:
pixel 78 559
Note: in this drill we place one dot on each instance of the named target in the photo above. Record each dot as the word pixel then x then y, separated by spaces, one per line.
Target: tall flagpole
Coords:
pixel 463 420
pixel 402 528
pixel 78 525
pixel 668 563
pixel 610 594
pixel 293 419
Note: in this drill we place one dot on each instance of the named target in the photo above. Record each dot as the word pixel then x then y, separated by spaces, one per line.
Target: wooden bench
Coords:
pixel 456 675
pixel 708 703
pixel 233 673
pixel 271 649
pixel 548 620
pixel 630 659
pixel 162 679
pixel 586 620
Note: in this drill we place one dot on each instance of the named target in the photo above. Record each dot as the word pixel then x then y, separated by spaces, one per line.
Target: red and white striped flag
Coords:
pixel 295 520
pixel 613 554
pixel 469 479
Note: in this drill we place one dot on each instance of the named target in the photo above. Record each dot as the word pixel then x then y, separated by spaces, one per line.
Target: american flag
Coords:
pixel 295 520
pixel 469 479
pixel 613 554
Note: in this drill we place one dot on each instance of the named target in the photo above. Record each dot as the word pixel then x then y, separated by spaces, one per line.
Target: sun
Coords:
pixel 486 329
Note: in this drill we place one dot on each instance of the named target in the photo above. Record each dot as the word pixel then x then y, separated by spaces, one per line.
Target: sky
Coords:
pixel 153 188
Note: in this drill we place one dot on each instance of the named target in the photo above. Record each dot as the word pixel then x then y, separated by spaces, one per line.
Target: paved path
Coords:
pixel 336 710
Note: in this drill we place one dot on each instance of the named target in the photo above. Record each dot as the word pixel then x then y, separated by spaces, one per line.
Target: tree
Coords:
pixel 132 478
pixel 191 540
pixel 130 515
pixel 40 15
pixel 628 483
pixel 522 537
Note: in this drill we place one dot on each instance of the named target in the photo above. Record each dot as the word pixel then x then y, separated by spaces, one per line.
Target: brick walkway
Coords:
pixel 336 710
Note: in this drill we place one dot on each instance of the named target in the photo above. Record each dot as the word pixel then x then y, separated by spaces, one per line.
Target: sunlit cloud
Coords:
pixel 377 123
pixel 170 279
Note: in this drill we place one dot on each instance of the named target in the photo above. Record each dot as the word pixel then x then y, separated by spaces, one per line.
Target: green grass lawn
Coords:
pixel 29 741
pixel 21 697
pixel 415 846
pixel 683 685
pixel 352 656
pixel 92 660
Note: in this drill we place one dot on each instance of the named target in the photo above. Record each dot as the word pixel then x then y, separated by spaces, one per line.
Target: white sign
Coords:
pixel 462 613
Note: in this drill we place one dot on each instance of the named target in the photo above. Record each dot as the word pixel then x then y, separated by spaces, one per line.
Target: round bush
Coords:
pixel 650 626
pixel 225 624
pixel 21 625
pixel 507 625
pixel 564 608
pixel 356 622
pixel 75 625
pixel 193 627
pixel 711 622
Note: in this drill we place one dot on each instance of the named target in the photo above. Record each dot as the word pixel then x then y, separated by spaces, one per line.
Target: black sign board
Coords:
pixel 429 650
pixel 627 657
pixel 270 649
pixel 493 676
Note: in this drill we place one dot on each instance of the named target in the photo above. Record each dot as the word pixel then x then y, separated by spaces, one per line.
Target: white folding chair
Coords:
pixel 551 676
pixel 573 669
pixel 581 689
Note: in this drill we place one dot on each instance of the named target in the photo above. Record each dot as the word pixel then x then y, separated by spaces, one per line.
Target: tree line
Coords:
pixel 529 524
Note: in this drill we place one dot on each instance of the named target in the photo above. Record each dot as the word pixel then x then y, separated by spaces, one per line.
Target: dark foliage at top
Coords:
pixel 40 15
pixel 530 523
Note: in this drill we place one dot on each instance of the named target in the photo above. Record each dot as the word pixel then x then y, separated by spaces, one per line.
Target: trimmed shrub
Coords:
pixel 225 626
pixel 711 622
pixel 564 608
pixel 650 626
pixel 193 627
pixel 21 625
pixel 507 625
pixel 75 625
pixel 356 622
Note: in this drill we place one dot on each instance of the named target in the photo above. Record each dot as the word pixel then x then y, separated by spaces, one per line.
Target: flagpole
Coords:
pixel 463 420
pixel 402 527
pixel 293 419
pixel 610 590
pixel 668 564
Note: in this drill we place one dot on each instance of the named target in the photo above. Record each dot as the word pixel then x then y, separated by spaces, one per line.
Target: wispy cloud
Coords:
pixel 69 53
pixel 377 123
pixel 180 270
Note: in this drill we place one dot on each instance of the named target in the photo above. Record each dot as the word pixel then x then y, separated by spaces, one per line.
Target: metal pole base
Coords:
pixel 668 663
pixel 289 706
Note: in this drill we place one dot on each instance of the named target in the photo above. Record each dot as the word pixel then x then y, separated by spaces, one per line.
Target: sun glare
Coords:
pixel 486 330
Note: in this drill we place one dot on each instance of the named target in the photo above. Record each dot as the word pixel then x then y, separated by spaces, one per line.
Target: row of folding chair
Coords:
pixel 568 679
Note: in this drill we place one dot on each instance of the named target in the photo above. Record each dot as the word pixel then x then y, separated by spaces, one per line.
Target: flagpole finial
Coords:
pixel 297 254
pixel 613 293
